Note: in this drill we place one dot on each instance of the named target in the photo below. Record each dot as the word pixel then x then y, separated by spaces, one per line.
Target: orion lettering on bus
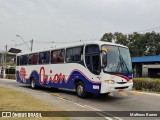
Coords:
pixel 57 77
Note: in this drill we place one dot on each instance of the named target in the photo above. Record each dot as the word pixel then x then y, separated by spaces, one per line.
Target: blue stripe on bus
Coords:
pixel 76 74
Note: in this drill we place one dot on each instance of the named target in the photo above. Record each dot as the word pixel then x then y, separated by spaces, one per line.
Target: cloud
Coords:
pixel 69 20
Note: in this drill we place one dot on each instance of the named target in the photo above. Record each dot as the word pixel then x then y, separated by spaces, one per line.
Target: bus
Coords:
pixel 85 67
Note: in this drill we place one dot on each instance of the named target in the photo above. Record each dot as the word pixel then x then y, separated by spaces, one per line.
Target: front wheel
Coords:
pixel 33 83
pixel 80 90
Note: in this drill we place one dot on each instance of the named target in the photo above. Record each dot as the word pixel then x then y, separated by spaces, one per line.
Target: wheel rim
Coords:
pixel 79 90
pixel 33 83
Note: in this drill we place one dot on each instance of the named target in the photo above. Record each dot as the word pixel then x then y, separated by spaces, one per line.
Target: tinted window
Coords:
pixel 24 60
pixel 74 54
pixel 92 49
pixel 92 58
pixel 57 56
pixel 33 59
pixel 44 57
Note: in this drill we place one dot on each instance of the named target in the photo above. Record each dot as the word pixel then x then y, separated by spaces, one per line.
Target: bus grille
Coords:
pixel 121 82
pixel 121 87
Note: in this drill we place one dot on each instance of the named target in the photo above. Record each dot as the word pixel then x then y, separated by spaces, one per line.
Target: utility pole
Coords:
pixel 31 44
pixel 3 64
pixel 4 61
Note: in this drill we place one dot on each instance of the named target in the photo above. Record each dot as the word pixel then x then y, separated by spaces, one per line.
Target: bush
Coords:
pixel 1 75
pixel 10 76
pixel 146 84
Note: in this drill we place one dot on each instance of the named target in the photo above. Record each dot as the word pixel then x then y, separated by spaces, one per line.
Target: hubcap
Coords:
pixel 33 83
pixel 79 90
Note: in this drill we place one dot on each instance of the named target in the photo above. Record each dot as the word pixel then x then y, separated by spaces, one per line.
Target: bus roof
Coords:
pixel 74 45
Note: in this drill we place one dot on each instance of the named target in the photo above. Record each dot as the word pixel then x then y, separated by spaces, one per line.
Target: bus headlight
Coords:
pixel 110 81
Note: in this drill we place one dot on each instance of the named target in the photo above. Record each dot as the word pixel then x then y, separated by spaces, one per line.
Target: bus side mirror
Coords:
pixel 104 59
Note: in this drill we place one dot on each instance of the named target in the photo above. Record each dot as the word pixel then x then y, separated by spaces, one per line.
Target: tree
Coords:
pixel 120 38
pixel 139 44
pixel 107 37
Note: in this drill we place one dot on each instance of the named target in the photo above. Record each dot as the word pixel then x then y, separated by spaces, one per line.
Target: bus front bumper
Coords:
pixel 106 88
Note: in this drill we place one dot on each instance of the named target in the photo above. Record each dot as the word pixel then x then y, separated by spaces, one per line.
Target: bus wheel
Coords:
pixel 80 90
pixel 33 83
pixel 54 89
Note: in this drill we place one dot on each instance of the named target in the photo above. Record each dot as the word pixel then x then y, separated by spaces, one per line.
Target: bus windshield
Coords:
pixel 118 59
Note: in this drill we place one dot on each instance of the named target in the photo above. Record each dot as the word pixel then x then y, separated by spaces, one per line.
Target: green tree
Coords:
pixel 120 38
pixel 139 44
pixel 153 43
pixel 107 37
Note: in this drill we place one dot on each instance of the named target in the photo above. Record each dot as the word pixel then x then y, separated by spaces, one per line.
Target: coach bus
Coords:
pixel 86 67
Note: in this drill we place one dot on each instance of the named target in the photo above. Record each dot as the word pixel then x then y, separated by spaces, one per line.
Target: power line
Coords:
pixel 23 41
pixel 148 29
pixel 20 44
pixel 30 48
pixel 155 28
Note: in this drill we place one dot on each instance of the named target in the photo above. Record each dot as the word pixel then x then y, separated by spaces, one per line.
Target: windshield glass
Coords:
pixel 118 59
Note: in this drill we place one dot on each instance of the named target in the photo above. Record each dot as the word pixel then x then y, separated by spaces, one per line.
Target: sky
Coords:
pixel 53 22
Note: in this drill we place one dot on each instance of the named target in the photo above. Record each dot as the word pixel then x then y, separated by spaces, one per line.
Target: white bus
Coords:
pixel 87 67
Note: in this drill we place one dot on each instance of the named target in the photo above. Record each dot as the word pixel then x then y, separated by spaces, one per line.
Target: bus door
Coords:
pixel 92 59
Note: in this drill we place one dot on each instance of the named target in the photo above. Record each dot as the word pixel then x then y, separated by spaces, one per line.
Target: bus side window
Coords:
pixel 69 55
pixel 44 57
pixel 77 54
pixel 53 56
pixel 33 59
pixel 30 59
pixel 57 56
pixel 60 56
pixel 24 60
pixel 74 54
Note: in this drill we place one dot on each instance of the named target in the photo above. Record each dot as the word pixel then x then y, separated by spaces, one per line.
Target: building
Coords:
pixel 8 64
pixel 146 66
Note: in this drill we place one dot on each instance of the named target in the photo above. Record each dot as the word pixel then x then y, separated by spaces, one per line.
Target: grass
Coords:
pixel 11 100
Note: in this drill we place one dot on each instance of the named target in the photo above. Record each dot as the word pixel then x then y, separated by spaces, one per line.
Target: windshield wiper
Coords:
pixel 118 66
pixel 124 63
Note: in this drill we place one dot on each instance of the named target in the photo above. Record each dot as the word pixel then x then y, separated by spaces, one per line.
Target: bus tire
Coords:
pixel 80 90
pixel 54 89
pixel 33 83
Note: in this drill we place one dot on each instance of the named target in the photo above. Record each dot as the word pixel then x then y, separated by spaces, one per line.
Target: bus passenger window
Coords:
pixel 24 60
pixel 33 59
pixel 44 57
pixel 74 54
pixel 54 57
pixel 60 56
pixel 57 56
pixel 69 56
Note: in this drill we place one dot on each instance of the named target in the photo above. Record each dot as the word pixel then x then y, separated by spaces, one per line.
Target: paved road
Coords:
pixel 68 101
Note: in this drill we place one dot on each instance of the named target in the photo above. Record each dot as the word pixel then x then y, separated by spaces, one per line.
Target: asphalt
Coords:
pixel 103 105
